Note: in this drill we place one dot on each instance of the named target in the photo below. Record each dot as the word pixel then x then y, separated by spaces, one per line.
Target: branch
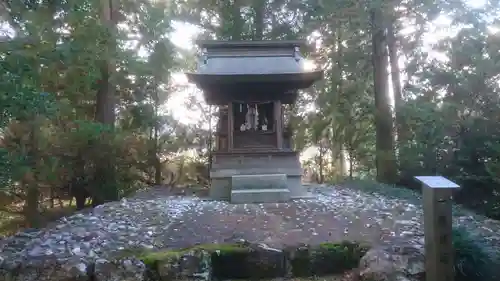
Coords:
pixel 6 15
pixel 7 210
pixel 195 21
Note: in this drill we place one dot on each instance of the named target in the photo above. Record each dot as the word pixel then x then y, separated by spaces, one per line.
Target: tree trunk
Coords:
pixel 80 202
pixel 237 21
pixel 31 206
pixel 158 172
pixel 259 10
pixel 31 179
pixel 210 138
pixel 342 165
pixel 105 105
pixel 61 202
pixel 106 189
pixel 351 164
pixel 337 163
pixel 321 165
pixel 402 130
pixel 385 157
pixel 52 197
pixel 340 90
pixel 156 137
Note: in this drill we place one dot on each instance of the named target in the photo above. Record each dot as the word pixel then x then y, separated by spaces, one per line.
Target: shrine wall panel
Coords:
pixel 246 161
pixel 253 140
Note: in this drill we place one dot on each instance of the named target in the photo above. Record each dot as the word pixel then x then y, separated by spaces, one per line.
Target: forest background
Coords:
pixel 94 103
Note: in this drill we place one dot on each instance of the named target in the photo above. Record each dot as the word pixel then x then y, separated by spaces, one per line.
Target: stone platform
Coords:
pixel 259 188
pixel 256 177
pixel 153 220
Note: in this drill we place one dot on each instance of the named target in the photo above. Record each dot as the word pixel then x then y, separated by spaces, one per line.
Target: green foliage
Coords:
pixel 94 142
pixel 88 132
pixel 21 101
pixel 473 261
pixel 327 258
pixel 166 255
pixel 51 71
pixel 244 260
pixel 336 258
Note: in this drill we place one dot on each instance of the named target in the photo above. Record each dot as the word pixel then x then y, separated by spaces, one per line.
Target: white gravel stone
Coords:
pixel 157 222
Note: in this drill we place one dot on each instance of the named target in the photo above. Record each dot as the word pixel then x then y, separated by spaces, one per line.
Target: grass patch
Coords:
pixel 386 190
pixel 400 193
pixel 10 224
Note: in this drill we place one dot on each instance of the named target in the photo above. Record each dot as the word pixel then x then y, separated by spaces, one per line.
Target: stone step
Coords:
pixel 228 172
pixel 259 181
pixel 260 196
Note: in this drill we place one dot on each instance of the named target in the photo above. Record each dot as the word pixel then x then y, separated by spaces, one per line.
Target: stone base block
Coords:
pixel 305 195
pixel 266 181
pixel 259 188
pixel 220 189
pixel 297 190
pixel 274 195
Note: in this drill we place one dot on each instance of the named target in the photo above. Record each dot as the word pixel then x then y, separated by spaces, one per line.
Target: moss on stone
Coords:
pixel 230 261
pixel 328 258
pixel 151 258
pixel 332 258
pixel 300 262
pixel 134 252
pixel 224 248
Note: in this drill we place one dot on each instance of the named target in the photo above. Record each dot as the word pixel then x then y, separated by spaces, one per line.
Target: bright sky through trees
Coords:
pixel 184 35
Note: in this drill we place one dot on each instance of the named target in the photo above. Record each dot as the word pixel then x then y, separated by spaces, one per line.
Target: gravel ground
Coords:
pixel 154 219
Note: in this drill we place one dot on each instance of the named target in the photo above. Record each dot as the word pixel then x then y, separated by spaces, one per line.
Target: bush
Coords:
pixel 89 144
pixel 472 259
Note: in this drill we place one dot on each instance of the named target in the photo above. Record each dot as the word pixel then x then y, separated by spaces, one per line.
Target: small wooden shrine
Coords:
pixel 250 82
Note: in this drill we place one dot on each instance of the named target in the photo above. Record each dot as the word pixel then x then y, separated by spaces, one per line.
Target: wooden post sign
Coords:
pixel 437 204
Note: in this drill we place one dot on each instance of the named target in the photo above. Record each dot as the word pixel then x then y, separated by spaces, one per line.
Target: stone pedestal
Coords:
pixel 256 177
pixel 437 203
pixel 263 188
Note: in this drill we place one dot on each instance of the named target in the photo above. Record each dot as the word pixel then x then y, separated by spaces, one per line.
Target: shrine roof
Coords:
pixel 251 58
pixel 238 44
pixel 270 68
